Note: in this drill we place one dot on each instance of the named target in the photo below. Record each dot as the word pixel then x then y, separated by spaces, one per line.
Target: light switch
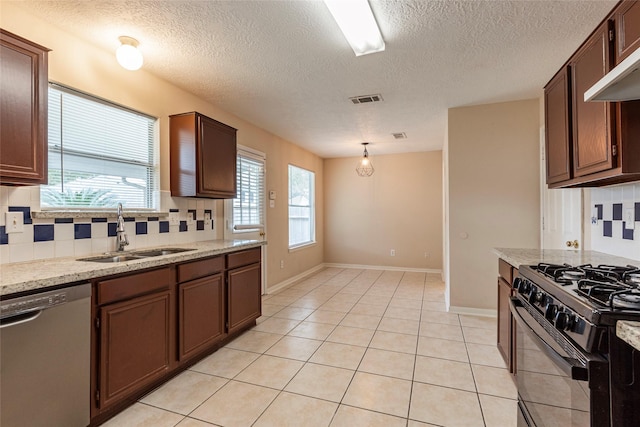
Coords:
pixel 272 203
pixel 14 222
pixel 629 219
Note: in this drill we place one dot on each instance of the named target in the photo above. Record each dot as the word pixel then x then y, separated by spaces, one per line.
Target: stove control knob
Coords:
pixel 517 282
pixel 564 321
pixel 525 287
pixel 536 297
pixel 550 311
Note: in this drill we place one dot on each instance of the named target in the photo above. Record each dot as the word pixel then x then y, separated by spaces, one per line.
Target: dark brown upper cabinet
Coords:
pixel 557 127
pixel 203 157
pixel 628 29
pixel 23 111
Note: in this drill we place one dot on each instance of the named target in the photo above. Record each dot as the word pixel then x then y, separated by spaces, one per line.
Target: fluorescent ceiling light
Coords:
pixel 356 20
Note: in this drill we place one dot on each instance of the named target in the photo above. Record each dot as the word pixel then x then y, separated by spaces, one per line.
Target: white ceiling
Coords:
pixel 286 67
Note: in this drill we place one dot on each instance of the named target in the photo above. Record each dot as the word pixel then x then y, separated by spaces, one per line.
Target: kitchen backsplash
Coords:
pixel 615 220
pixel 63 237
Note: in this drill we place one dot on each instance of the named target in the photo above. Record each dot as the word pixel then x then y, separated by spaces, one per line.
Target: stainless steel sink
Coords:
pixel 113 258
pixel 135 255
pixel 160 252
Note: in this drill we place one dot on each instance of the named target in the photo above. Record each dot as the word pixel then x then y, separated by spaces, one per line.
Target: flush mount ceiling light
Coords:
pixel 365 168
pixel 356 20
pixel 128 55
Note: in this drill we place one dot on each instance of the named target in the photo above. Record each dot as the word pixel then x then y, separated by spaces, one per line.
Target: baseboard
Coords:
pixel 291 280
pixel 484 312
pixel 380 267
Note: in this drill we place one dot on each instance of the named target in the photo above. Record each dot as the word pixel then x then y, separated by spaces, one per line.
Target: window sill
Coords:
pixel 97 213
pixel 301 246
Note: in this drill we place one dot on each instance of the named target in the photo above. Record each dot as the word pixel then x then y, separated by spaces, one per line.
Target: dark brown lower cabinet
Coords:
pixel 201 314
pixel 504 320
pixel 244 302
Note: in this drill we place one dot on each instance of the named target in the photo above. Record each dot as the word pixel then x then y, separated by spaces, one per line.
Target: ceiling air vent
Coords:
pixel 399 135
pixel 364 99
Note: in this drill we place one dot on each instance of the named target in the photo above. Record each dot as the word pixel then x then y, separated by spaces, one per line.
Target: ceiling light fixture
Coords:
pixel 365 168
pixel 128 55
pixel 356 20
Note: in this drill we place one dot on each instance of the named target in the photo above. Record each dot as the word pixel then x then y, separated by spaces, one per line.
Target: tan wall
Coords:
pixel 85 67
pixel 399 207
pixel 493 165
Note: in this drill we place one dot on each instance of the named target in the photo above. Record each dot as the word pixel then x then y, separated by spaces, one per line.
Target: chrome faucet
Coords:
pixel 121 236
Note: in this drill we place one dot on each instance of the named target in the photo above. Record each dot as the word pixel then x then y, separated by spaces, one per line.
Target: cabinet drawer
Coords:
pixel 200 268
pixel 505 270
pixel 134 284
pixel 238 259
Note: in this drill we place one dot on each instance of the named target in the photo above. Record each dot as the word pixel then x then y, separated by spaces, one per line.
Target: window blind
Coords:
pixel 248 206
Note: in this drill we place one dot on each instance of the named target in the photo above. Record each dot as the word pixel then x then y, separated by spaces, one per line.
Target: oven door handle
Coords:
pixel 569 366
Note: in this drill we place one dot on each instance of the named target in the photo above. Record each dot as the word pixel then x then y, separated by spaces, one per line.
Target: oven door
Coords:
pixel 558 385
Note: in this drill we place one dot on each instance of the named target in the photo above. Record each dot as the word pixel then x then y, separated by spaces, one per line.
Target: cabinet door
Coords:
pixel 592 129
pixel 627 29
pixel 216 159
pixel 244 303
pixel 504 321
pixel 23 111
pixel 201 311
pixel 135 339
pixel 557 128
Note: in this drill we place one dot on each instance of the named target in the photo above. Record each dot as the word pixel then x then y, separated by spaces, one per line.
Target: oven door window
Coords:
pixel 551 397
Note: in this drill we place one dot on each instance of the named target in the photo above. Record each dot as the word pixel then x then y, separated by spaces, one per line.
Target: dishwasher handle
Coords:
pixel 7 322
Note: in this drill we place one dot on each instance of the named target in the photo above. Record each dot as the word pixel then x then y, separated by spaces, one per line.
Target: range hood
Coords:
pixel 620 84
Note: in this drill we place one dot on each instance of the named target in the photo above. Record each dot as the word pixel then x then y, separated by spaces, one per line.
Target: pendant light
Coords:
pixel 365 168
pixel 128 55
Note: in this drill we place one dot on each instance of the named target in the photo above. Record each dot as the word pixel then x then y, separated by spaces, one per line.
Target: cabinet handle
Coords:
pixel 574 244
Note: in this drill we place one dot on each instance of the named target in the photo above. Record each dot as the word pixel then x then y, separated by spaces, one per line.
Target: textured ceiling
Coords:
pixel 285 66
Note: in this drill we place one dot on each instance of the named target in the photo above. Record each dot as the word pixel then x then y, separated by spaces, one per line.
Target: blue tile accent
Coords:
pixel 607 228
pixel 183 226
pixel 174 210
pixel 4 237
pixel 164 226
pixel 82 231
pixel 26 212
pixel 153 218
pixel 200 225
pixel 98 219
pixel 43 232
pixel 637 211
pixel 111 229
pixel 599 208
pixel 192 212
pixel 141 228
pixel 129 219
pixel 617 211
pixel 626 234
pixel 63 220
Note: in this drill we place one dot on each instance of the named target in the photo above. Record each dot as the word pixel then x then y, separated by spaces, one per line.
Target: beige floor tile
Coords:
pixel 400 326
pixel 382 394
pixel 275 325
pixel 349 335
pixel 348 416
pixel 370 309
pixel 478 321
pixel 442 349
pixel 192 422
pixel 282 300
pixel 494 381
pixel 270 371
pixel 446 373
pixel 294 313
pixel 292 410
pixel 392 341
pixel 318 331
pixel 434 306
pixel 323 382
pixel 343 307
pixel 388 363
pixel 433 296
pixel 487 355
pixel 479 335
pixel 294 348
pixel 364 321
pixel 226 362
pixel 235 405
pixel 499 412
pixel 185 392
pixel 375 299
pixel 415 304
pixel 271 309
pixel 325 316
pixel 440 317
pixel 445 332
pixel 338 355
pixel 141 415
pixel 445 406
pixel 413 423
pixel 308 302
pixel 403 313
pixel 257 342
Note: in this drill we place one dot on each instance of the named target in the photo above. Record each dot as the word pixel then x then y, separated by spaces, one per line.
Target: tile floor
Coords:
pixel 349 348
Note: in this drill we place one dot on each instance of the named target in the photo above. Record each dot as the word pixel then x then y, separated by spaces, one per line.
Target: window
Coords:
pixel 100 154
pixel 248 206
pixel 301 207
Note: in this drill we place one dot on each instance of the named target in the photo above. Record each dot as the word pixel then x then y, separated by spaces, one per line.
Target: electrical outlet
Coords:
pixel 207 218
pixel 393 252
pixel 629 219
pixel 174 218
pixel 14 222
pixel 281 263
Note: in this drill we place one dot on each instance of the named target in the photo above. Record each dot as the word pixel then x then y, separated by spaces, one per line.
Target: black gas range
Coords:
pixel 571 367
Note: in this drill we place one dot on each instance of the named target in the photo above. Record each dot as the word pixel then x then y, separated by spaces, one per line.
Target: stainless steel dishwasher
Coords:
pixel 45 358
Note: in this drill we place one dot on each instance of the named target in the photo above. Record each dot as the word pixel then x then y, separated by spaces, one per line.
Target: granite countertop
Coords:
pixel 518 256
pixel 40 274
pixel 629 332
